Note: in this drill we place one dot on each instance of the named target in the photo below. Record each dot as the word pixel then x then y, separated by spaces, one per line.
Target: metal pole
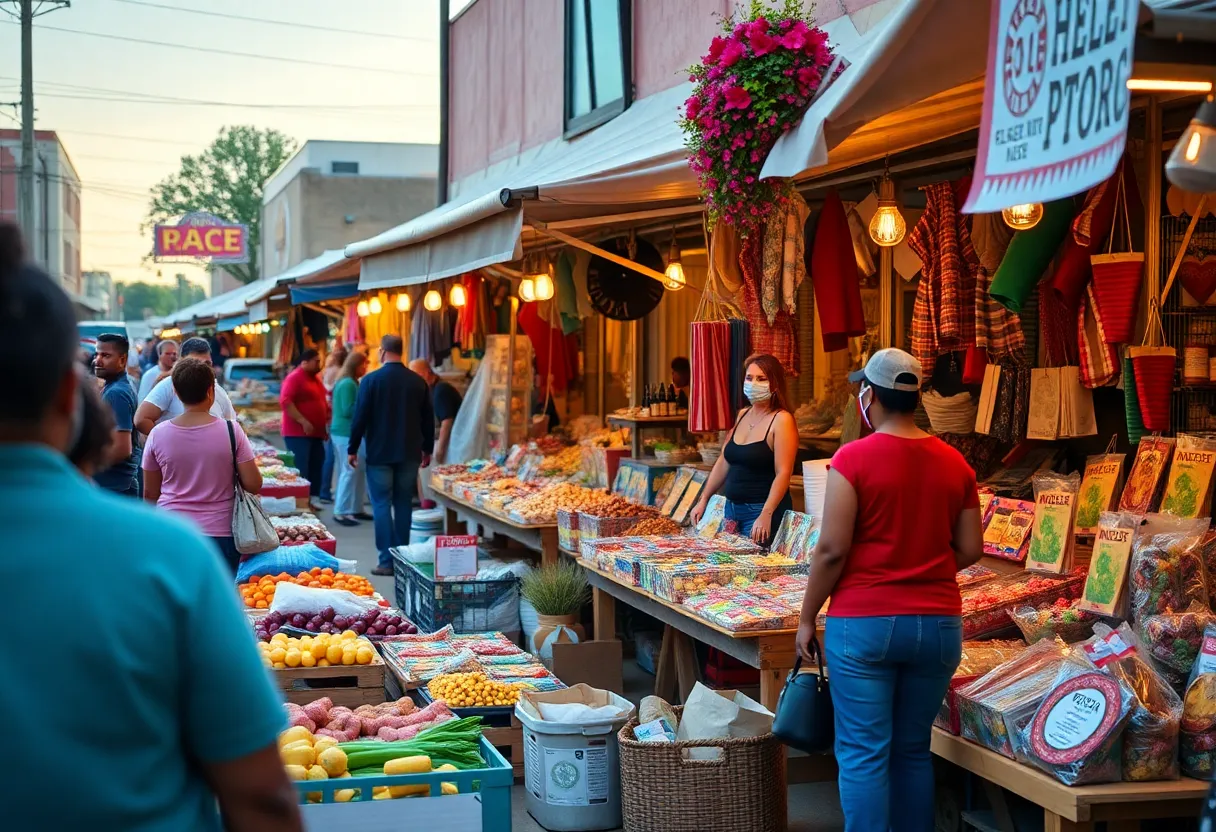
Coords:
pixel 25 187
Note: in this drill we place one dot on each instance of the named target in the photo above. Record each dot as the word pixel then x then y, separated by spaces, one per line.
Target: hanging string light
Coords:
pixel 675 269
pixel 887 226
pixel 457 296
pixel 265 327
pixel 374 305
pixel 542 282
pixel 403 302
pixel 362 309
pixel 432 301
pixel 1023 217
pixel 527 290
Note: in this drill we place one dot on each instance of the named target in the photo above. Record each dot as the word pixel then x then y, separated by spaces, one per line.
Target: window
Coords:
pixel 599 84
pixel 344 167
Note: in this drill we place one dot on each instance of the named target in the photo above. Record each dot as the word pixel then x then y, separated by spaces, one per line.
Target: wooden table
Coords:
pixel 637 423
pixel 541 537
pixel 1072 808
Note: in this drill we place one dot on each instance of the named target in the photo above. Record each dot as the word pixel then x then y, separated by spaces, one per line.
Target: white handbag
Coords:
pixel 252 531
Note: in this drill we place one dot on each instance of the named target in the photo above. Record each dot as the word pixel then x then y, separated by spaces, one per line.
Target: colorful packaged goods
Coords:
pixel 1150 743
pixel 1174 640
pixel 1007 530
pixel 1076 733
pixel 1062 618
pixel 1099 490
pixel 986 608
pixel 974 575
pixel 1197 744
pixel 796 536
pixel 1106 580
pixel 978 658
pixel 1051 536
pixel 1188 492
pixel 1167 571
pixel 1148 471
pixel 675 581
pixel 737 610
pixel 996 707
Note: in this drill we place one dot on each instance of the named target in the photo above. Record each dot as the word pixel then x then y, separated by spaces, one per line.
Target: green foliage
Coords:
pixel 557 589
pixel 142 299
pixel 1183 499
pixel 1046 546
pixel 225 179
pixel 1091 507
pixel 1101 584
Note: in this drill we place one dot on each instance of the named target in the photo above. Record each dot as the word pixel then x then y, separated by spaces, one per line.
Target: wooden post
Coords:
pixel 603 615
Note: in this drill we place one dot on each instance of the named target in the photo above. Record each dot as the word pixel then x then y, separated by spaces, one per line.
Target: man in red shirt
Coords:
pixel 306 419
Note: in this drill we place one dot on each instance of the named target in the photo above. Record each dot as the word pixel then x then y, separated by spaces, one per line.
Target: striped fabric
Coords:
pixel 1099 362
pixel 943 317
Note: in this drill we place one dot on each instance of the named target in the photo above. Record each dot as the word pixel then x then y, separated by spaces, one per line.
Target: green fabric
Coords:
pixel 1029 254
pixel 1131 402
pixel 344 406
pixel 567 301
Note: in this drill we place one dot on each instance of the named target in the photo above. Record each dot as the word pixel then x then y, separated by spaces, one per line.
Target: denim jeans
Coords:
pixel 327 471
pixel 888 678
pixel 352 482
pixel 227 547
pixel 310 459
pixel 745 515
pixel 392 491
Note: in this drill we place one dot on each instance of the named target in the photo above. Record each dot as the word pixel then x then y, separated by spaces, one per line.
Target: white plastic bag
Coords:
pixel 279 505
pixel 293 598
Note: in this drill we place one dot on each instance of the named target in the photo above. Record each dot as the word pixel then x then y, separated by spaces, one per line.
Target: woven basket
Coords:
pixel 1154 384
pixel 1117 279
pixel 743 790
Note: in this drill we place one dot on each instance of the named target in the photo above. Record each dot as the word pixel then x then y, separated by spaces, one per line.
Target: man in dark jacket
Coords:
pixel 393 412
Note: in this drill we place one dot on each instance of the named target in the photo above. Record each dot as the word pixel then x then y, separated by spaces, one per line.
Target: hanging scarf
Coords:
pixel 1099 363
pixel 943 317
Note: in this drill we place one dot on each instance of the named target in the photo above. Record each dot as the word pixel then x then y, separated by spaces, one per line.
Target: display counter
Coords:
pixel 540 537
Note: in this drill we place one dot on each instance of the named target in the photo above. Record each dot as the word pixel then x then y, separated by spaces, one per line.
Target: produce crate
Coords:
pixel 350 685
pixel 490 798
pixel 567 530
pixel 330 545
pixel 469 606
pixel 991 621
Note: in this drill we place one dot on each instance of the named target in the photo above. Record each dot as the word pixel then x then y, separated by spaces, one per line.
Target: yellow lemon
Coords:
pixel 334 653
pixel 292 659
pixel 307 660
pixel 278 654
pixel 349 635
pixel 323 663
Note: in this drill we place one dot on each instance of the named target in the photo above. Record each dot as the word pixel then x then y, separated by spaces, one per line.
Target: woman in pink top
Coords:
pixel 188 460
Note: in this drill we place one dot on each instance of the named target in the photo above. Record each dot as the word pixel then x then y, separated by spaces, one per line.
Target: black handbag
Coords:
pixel 805 719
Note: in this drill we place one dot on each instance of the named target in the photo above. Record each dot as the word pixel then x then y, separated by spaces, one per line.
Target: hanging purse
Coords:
pixel 805 719
pixel 252 531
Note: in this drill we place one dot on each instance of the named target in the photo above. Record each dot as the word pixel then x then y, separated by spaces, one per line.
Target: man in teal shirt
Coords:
pixel 139 699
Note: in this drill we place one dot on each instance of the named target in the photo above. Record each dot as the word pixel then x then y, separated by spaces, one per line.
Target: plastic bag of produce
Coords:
pixel 1167 572
pixel 1150 743
pixel 279 505
pixel 1076 733
pixel 1198 740
pixel 1174 640
pixel 1062 618
pixel 293 560
pixel 1051 537
pixel 311 600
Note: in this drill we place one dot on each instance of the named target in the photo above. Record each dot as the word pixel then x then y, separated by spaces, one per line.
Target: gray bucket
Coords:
pixel 425 523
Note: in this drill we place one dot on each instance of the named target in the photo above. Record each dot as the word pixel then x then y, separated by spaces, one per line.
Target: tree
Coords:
pixel 1046 546
pixel 226 179
pixel 1091 507
pixel 1183 499
pixel 139 300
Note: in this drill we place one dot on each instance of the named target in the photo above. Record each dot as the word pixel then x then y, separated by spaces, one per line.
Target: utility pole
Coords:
pixel 26 11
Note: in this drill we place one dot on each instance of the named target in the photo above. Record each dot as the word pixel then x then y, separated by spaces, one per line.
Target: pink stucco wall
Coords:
pixel 507 59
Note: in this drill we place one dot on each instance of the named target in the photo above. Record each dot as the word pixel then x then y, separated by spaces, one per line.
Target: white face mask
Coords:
pixel 864 406
pixel 757 391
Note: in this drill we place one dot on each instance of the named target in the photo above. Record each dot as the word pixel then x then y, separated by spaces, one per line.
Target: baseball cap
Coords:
pixel 891 368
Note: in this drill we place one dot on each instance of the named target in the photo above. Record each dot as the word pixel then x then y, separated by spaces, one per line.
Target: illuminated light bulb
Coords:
pixel 265 328
pixel 887 226
pixel 527 290
pixel 362 309
pixel 1192 162
pixel 432 301
pixel 1023 217
pixel 375 306
pixel 542 286
pixel 403 302
pixel 457 296
pixel 675 269
pixel 275 323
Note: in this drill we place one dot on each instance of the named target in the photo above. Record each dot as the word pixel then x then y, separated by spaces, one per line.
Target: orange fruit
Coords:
pixel 259 596
pixel 314 583
pixel 325 571
pixel 261 605
pixel 316 570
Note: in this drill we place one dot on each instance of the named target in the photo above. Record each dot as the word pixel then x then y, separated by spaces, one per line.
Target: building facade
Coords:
pixel 56 238
pixel 98 289
pixel 332 193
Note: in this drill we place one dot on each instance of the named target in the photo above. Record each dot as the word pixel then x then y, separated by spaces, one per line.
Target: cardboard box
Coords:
pixel 594 663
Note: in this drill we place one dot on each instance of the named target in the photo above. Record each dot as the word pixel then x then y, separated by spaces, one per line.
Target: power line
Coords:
pixel 129 138
pixel 292 24
pixel 228 52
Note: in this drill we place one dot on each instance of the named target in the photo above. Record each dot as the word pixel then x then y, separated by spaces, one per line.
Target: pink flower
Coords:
pixel 725 155
pixel 796 37
pixel 762 43
pixel 737 98
pixel 759 25
pixel 715 50
pixel 749 179
pixel 732 53
pixel 808 76
pixel 692 107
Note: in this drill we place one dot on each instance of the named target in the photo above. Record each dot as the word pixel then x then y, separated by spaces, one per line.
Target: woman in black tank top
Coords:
pixel 753 473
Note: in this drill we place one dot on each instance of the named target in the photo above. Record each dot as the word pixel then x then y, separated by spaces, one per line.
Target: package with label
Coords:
pixel 1197 744
pixel 1007 528
pixel 1174 640
pixel 1076 734
pixel 657 721
pixel 1188 491
pixel 1106 579
pixel 1061 618
pixel 1150 743
pixel 1099 490
pixel 1167 571
pixel 974 575
pixel 1147 475
pixel 1051 536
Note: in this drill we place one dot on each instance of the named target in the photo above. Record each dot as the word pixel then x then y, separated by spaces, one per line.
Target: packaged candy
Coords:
pixel 1174 640
pixel 1062 618
pixel 974 575
pixel 1007 528
pixel 1051 536
pixel 1106 580
pixel 1198 740
pixel 996 707
pixel 1099 490
pixel 1150 743
pixel 1145 478
pixel 1167 572
pixel 1188 492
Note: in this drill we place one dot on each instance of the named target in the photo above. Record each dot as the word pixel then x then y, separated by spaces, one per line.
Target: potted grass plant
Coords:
pixel 557 592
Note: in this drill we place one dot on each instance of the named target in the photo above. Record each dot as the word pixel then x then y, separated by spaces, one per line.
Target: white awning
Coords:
pixel 915 77
pixel 327 265
pixel 232 302
pixel 638 158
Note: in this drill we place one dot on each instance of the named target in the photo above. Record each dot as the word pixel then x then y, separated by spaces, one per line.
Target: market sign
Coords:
pixel 1055 99
pixel 455 556
pixel 202 236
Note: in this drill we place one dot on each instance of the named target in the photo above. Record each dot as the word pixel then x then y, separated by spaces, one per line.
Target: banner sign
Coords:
pixel 1055 99
pixel 202 236
pixel 455 556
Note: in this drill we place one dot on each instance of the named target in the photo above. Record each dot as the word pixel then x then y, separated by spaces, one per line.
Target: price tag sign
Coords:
pixel 455 556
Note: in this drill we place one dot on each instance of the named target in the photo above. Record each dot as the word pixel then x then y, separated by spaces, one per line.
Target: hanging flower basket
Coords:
pixel 752 86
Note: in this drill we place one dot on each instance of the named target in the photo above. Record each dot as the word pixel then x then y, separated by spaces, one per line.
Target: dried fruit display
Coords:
pixel 300 528
pixel 655 527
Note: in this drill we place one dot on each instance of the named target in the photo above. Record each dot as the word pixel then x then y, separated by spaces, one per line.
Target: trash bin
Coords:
pixel 572 775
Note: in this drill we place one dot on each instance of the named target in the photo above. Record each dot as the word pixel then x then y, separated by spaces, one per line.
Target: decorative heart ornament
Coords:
pixel 1198 270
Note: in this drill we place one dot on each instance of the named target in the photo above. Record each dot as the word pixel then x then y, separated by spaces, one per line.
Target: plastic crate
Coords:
pixel 470 606
pixel 493 792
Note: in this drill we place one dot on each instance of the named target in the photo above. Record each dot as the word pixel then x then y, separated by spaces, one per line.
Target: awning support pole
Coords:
pixel 542 228
pixel 327 312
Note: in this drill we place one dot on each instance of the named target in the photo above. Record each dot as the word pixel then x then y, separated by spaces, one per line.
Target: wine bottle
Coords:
pixel 646 402
pixel 668 410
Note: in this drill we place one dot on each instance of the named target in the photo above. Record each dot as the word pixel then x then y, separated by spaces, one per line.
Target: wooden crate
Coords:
pixel 349 685
pixel 509 741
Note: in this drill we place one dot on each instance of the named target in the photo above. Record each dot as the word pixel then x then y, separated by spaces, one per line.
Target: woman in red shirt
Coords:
pixel 901 517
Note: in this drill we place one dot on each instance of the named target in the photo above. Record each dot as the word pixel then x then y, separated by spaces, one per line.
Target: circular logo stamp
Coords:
pixel 565 775
pixel 1025 55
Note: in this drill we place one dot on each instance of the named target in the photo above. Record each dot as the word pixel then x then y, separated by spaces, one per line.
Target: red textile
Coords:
pixel 834 276
pixel 943 316
pixel 909 496
pixel 708 396
pixel 550 346
pixel 779 340
pixel 308 394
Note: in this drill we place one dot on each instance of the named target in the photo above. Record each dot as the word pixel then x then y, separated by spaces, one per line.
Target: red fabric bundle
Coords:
pixel 779 340
pixel 708 398
pixel 834 276
pixel 551 347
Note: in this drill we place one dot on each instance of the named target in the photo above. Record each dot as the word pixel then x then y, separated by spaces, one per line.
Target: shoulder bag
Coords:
pixel 805 719
pixel 252 531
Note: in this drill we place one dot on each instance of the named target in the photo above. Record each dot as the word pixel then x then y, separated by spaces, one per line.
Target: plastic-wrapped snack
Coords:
pixel 980 657
pixel 1055 507
pixel 1150 743
pixel 1062 619
pixel 1167 572
pixel 995 707
pixel 1105 591
pixel 1198 741
pixel 1206 550
pixel 974 576
pixel 1099 490
pixel 1174 639
pixel 1188 490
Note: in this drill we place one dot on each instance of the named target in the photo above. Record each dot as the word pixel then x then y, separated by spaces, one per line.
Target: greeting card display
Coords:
pixel 1188 492
pixel 1051 538
pixel 1007 529
pixel 1106 581
pixel 1147 474
pixel 1099 490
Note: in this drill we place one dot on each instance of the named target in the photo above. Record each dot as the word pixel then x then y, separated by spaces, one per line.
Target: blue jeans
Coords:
pixel 888 678
pixel 310 459
pixel 745 515
pixel 352 482
pixel 327 472
pixel 227 547
pixel 392 492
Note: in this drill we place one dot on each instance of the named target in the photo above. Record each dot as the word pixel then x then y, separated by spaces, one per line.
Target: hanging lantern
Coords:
pixel 362 309
pixel 527 290
pixel 675 269
pixel 265 327
pixel 276 323
pixel 1023 217
pixel 1192 163
pixel 457 296
pixel 887 226
pixel 432 301
pixel 375 306
pixel 542 284
pixel 403 302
